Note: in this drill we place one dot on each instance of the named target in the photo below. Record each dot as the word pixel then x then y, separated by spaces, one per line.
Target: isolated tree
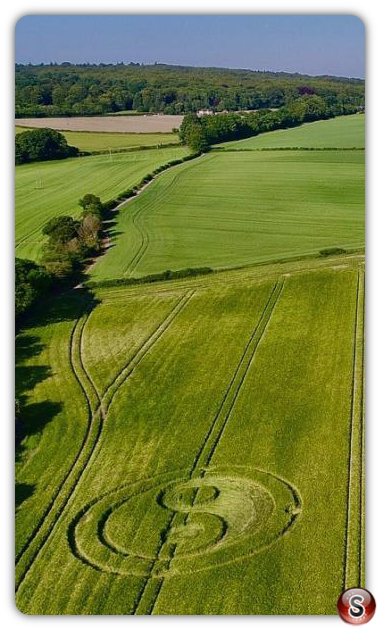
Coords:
pixel 42 144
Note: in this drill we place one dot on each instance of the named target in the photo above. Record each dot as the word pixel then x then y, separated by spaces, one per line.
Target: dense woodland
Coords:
pixel 67 89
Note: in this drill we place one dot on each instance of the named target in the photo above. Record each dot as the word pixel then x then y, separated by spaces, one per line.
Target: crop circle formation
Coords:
pixel 180 523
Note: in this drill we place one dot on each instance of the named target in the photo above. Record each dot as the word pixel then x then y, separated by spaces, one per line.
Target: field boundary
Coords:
pixel 237 150
pixel 352 570
pixel 362 455
pixel 271 270
pixel 131 282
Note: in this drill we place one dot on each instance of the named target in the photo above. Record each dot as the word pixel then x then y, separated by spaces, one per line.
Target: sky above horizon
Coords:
pixel 309 44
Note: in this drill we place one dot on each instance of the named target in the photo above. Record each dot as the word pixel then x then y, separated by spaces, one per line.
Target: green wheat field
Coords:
pixel 190 442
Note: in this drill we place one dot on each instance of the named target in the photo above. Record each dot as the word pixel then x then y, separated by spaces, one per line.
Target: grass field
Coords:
pixel 48 189
pixel 342 132
pixel 210 433
pixel 98 141
pixel 230 209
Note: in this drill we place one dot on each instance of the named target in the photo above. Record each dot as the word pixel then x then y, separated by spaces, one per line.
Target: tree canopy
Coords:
pixel 42 144
pixel 68 89
pixel 199 132
pixel 61 229
pixel 31 282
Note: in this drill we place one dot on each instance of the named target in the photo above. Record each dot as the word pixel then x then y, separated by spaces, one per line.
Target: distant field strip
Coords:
pixel 236 209
pixel 100 141
pixel 47 189
pixel 343 131
pixel 353 573
pixel 155 123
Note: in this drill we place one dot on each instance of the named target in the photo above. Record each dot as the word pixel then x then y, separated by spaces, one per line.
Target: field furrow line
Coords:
pixel 362 454
pixel 148 597
pixel 208 448
pixel 57 504
pixel 144 349
pixel 158 197
pixel 98 408
pixel 138 225
pixel 353 529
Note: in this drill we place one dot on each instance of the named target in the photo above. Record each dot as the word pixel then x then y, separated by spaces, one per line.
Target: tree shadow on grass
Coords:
pixel 27 346
pixel 64 307
pixel 22 492
pixel 33 417
pixel 110 231
pixel 27 376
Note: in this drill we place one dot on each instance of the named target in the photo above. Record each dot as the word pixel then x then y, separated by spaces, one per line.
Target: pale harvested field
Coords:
pixel 132 124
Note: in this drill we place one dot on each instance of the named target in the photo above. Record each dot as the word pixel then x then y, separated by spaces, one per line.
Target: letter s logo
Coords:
pixel 356 610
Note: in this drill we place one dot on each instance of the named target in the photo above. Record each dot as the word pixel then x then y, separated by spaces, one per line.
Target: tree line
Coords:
pixel 199 132
pixel 69 243
pixel 68 89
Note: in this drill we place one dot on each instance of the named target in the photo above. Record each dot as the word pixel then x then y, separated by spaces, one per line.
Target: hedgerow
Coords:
pixel 332 251
pixel 169 274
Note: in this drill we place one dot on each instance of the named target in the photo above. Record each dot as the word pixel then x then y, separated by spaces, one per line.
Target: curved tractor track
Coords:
pixel 98 407
pixel 192 502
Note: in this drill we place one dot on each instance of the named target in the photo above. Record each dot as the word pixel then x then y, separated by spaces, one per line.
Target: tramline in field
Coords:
pixel 62 183
pixel 189 313
pixel 163 487
pixel 233 209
